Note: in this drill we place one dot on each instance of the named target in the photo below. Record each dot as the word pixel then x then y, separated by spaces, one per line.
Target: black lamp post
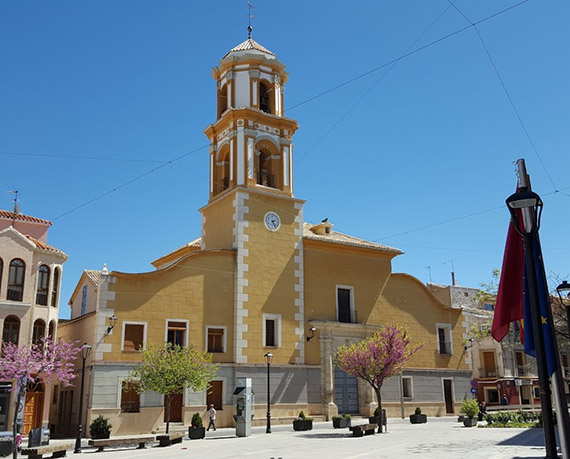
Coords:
pixel 528 203
pixel 268 358
pixel 565 287
pixel 85 351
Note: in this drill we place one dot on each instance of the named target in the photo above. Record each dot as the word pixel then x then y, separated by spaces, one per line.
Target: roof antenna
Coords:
pixel 453 280
pixel 250 17
pixel 16 210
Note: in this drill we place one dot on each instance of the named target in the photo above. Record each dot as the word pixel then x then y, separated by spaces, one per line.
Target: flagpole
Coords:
pixel 557 383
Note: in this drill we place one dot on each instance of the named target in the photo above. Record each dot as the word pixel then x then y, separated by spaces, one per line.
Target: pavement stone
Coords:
pixel 439 438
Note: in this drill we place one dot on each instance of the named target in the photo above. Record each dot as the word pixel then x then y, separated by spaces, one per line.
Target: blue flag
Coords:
pixel 545 315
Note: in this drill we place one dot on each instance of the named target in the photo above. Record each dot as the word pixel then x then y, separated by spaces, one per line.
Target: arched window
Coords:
pixel 267 169
pixel 265 104
pixel 16 280
pixel 43 285
pixel 222 171
pixel 55 287
pixel 11 330
pixel 223 100
pixel 51 330
pixel 39 331
pixel 1 266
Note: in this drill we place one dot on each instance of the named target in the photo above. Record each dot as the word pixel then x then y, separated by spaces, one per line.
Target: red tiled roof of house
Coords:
pixel 23 218
pixel 43 245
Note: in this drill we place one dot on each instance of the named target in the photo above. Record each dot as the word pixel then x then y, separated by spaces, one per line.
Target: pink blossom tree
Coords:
pixel 47 361
pixel 377 358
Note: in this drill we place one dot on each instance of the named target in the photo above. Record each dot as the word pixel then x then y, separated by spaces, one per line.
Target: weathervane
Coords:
pixel 16 209
pixel 250 17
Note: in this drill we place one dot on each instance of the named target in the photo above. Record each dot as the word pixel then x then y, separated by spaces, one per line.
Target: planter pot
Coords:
pixel 341 423
pixel 418 418
pixel 196 433
pixel 374 420
pixel 469 422
pixel 299 425
pixel 101 436
pixel 6 445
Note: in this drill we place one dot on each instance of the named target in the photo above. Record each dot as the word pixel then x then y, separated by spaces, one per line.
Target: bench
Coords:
pixel 170 438
pixel 37 452
pixel 120 441
pixel 363 429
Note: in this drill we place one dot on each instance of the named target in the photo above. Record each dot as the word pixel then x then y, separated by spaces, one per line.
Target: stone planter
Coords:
pixel 299 425
pixel 196 433
pixel 469 422
pixel 418 418
pixel 341 423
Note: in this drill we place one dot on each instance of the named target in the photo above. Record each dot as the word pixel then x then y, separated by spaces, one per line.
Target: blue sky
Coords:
pixel 95 94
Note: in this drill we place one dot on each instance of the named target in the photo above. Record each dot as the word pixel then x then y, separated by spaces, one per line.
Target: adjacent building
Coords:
pixel 30 280
pixel 260 279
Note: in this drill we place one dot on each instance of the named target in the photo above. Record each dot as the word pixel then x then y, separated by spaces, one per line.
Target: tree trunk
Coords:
pixel 168 402
pixel 18 401
pixel 380 417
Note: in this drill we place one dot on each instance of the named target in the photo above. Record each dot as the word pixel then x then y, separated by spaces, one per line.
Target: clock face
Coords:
pixel 272 221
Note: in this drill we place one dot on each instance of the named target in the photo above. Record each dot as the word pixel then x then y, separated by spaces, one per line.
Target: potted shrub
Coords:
pixel 302 423
pixel 342 421
pixel 100 428
pixel 196 430
pixel 418 417
pixel 470 408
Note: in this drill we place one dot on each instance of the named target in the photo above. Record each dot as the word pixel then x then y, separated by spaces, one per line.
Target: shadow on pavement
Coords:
pixel 530 437
pixel 326 435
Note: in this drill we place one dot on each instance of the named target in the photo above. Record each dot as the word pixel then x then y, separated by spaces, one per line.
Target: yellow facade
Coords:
pixel 258 279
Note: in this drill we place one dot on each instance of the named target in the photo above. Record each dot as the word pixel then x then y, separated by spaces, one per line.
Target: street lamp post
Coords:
pixel 565 287
pixel 528 204
pixel 85 351
pixel 268 358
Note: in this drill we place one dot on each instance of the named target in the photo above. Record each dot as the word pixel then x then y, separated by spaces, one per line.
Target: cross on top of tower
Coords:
pixel 250 17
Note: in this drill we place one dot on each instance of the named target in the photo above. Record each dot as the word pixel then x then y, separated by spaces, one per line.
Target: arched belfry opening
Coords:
pixel 222 171
pixel 268 167
pixel 265 99
pixel 222 100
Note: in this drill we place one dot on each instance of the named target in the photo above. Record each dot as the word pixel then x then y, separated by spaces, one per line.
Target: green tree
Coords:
pixel 169 370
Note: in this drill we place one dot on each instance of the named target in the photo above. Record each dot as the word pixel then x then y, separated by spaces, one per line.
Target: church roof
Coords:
pixel 94 275
pixel 335 237
pixel 249 45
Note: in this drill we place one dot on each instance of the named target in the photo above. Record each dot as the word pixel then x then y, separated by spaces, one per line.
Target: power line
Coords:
pixel 506 91
pixel 362 75
pixel 91 158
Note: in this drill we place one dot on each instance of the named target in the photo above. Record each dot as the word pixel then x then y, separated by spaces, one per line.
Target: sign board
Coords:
pixel 473 390
pixel 474 383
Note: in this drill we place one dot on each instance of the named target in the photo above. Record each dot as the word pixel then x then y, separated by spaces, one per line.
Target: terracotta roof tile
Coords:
pixel 23 218
pixel 335 237
pixel 249 45
pixel 43 245
pixel 94 275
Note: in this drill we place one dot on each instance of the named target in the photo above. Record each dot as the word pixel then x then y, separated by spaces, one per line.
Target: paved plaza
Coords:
pixel 440 438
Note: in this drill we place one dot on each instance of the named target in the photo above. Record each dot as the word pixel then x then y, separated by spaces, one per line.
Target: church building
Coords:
pixel 260 279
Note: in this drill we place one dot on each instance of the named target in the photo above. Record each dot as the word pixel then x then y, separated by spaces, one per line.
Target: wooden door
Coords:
pixel 215 394
pixel 175 408
pixel 33 410
pixel 345 392
pixel 448 395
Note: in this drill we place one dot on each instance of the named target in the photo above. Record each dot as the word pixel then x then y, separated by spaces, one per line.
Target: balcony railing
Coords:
pixel 522 370
pixel 266 179
pixel 42 296
pixel 488 372
pixel 15 292
pixel 225 183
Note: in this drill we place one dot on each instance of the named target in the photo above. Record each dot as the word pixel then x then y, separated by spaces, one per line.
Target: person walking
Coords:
pixel 212 413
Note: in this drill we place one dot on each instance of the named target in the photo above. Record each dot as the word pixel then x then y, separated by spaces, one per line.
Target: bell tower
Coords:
pixel 251 208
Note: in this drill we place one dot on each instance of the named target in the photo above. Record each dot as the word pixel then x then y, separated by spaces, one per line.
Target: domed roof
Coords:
pixel 248 46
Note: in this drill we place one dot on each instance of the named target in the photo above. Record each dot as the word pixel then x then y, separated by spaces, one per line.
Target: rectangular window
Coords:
pixel 216 337
pixel 133 336
pixel 407 387
pixel 176 333
pixel 130 399
pixel 271 330
pixel 489 367
pixel 344 304
pixel 215 394
pixel 444 339
pixel 536 391
pixel 521 367
pixel 489 307
pixel 84 300
pixel 492 395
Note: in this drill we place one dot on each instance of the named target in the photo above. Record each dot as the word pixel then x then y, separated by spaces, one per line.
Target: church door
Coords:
pixel 33 410
pixel 345 392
